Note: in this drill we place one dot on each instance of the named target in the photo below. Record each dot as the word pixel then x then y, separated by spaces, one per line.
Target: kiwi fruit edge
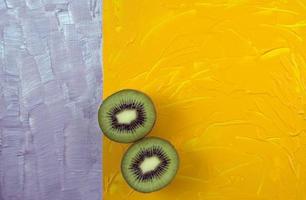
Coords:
pixel 141 144
pixel 114 100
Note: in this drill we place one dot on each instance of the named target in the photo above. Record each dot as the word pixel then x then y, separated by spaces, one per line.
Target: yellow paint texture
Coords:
pixel 229 82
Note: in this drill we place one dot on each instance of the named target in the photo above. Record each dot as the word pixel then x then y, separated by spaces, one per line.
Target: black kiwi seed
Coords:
pixel 125 105
pixel 150 164
pixel 127 116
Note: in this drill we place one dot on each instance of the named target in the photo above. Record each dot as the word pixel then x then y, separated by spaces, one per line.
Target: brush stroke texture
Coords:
pixel 50 89
pixel 228 79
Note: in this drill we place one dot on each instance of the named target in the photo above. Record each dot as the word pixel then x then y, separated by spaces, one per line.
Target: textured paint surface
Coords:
pixel 50 88
pixel 229 82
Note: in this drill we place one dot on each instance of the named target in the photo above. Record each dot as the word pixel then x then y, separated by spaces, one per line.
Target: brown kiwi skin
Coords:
pixel 138 141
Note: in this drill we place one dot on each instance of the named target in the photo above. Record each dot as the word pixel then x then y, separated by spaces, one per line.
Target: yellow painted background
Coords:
pixel 229 82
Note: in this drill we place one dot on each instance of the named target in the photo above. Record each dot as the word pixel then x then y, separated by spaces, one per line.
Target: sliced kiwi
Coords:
pixel 150 164
pixel 127 116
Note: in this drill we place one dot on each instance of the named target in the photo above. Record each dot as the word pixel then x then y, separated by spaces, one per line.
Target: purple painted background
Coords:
pixel 50 89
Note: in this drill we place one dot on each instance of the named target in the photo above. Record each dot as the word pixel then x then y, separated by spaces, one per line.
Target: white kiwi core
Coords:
pixel 126 116
pixel 149 164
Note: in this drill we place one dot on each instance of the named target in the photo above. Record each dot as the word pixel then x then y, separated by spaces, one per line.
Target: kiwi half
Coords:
pixel 127 116
pixel 150 164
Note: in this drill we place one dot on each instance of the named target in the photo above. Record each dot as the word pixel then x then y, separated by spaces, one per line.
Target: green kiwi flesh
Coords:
pixel 150 164
pixel 127 116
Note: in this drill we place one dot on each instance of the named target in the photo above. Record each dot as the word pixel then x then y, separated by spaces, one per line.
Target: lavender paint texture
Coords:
pixel 50 90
